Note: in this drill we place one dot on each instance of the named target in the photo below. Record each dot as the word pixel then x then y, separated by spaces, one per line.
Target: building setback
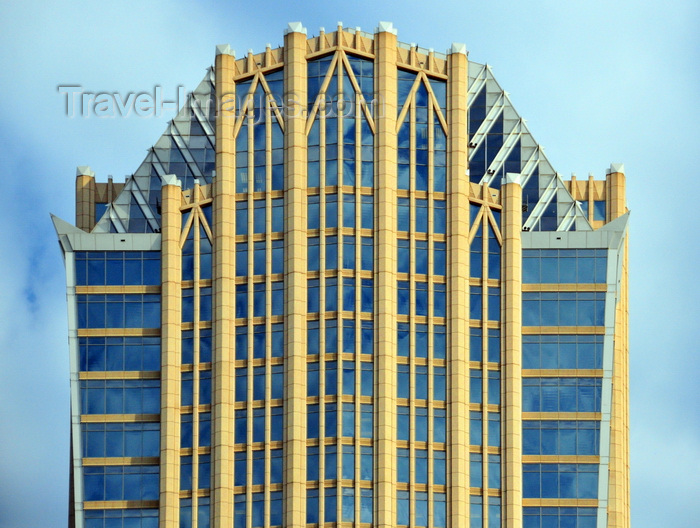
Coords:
pixel 347 288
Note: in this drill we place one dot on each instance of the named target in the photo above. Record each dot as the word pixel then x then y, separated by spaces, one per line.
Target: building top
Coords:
pixel 499 139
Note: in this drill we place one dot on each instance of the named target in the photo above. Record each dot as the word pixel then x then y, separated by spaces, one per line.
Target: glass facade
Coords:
pixel 288 340
pixel 119 384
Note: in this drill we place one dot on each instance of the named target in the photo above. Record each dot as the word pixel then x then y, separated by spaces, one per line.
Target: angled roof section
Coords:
pixel 500 143
pixel 186 149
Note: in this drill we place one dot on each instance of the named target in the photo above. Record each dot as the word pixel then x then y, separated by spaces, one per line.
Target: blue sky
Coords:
pixel 598 82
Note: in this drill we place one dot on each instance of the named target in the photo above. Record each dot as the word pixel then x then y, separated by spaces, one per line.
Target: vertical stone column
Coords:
pixel 511 199
pixel 295 244
pixel 85 191
pixel 458 281
pixel 386 307
pixel 619 489
pixel 223 289
pixel 615 191
pixel 171 335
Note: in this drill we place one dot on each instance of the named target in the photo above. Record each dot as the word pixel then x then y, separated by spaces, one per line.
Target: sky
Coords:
pixel 598 81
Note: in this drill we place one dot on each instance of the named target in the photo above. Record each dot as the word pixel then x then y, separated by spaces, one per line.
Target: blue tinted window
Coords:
pixel 367 295
pixel 421 431
pixel 277 298
pixel 314 207
pixel 403 507
pixel 421 216
pixel 204 429
pixel 565 481
pixel 348 210
pixel 440 300
pixel 330 505
pixel 563 308
pixel 312 296
pixel 119 311
pixel 141 439
pixel 404 214
pixel 404 256
pixel 561 437
pixel 331 420
pixel 439 387
pixel 120 483
pixel 331 252
pixel 348 462
pixel 577 266
pixel 439 342
pixel 439 425
pixel 403 297
pixel 367 381
pixel 331 210
pixel 349 252
pixel 186 430
pixel 313 254
pixel 278 256
pixel 475 344
pixel 494 259
pixel 440 261
pixel 475 470
pixel 348 378
pixel 494 388
pixel 599 210
pixel 312 422
pixel 331 294
pixel 421 384
pixel 494 308
pixel 494 345
pixel 575 517
pixel 561 394
pixel 120 396
pixel 562 351
pixel 475 386
pixel 476 253
pixel 421 305
pixel 367 212
pixel 475 302
pixel 131 518
pixel 258 425
pixel 242 259
pixel 241 300
pixel 259 299
pixel 494 430
pixel 239 468
pixel 439 468
pixel 475 428
pixel 494 464
pixel 440 216
pixel 311 506
pixel 119 353
pixel 331 336
pixel 98 268
pixel 274 470
pixel 277 215
pixel 349 294
pixel 403 422
pixel 241 426
pixel 366 424
pixel 367 256
pixel 242 218
pixel 421 257
pixel 366 505
pixel 205 387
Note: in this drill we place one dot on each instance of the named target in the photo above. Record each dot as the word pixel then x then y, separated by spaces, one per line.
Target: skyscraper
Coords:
pixel 347 288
